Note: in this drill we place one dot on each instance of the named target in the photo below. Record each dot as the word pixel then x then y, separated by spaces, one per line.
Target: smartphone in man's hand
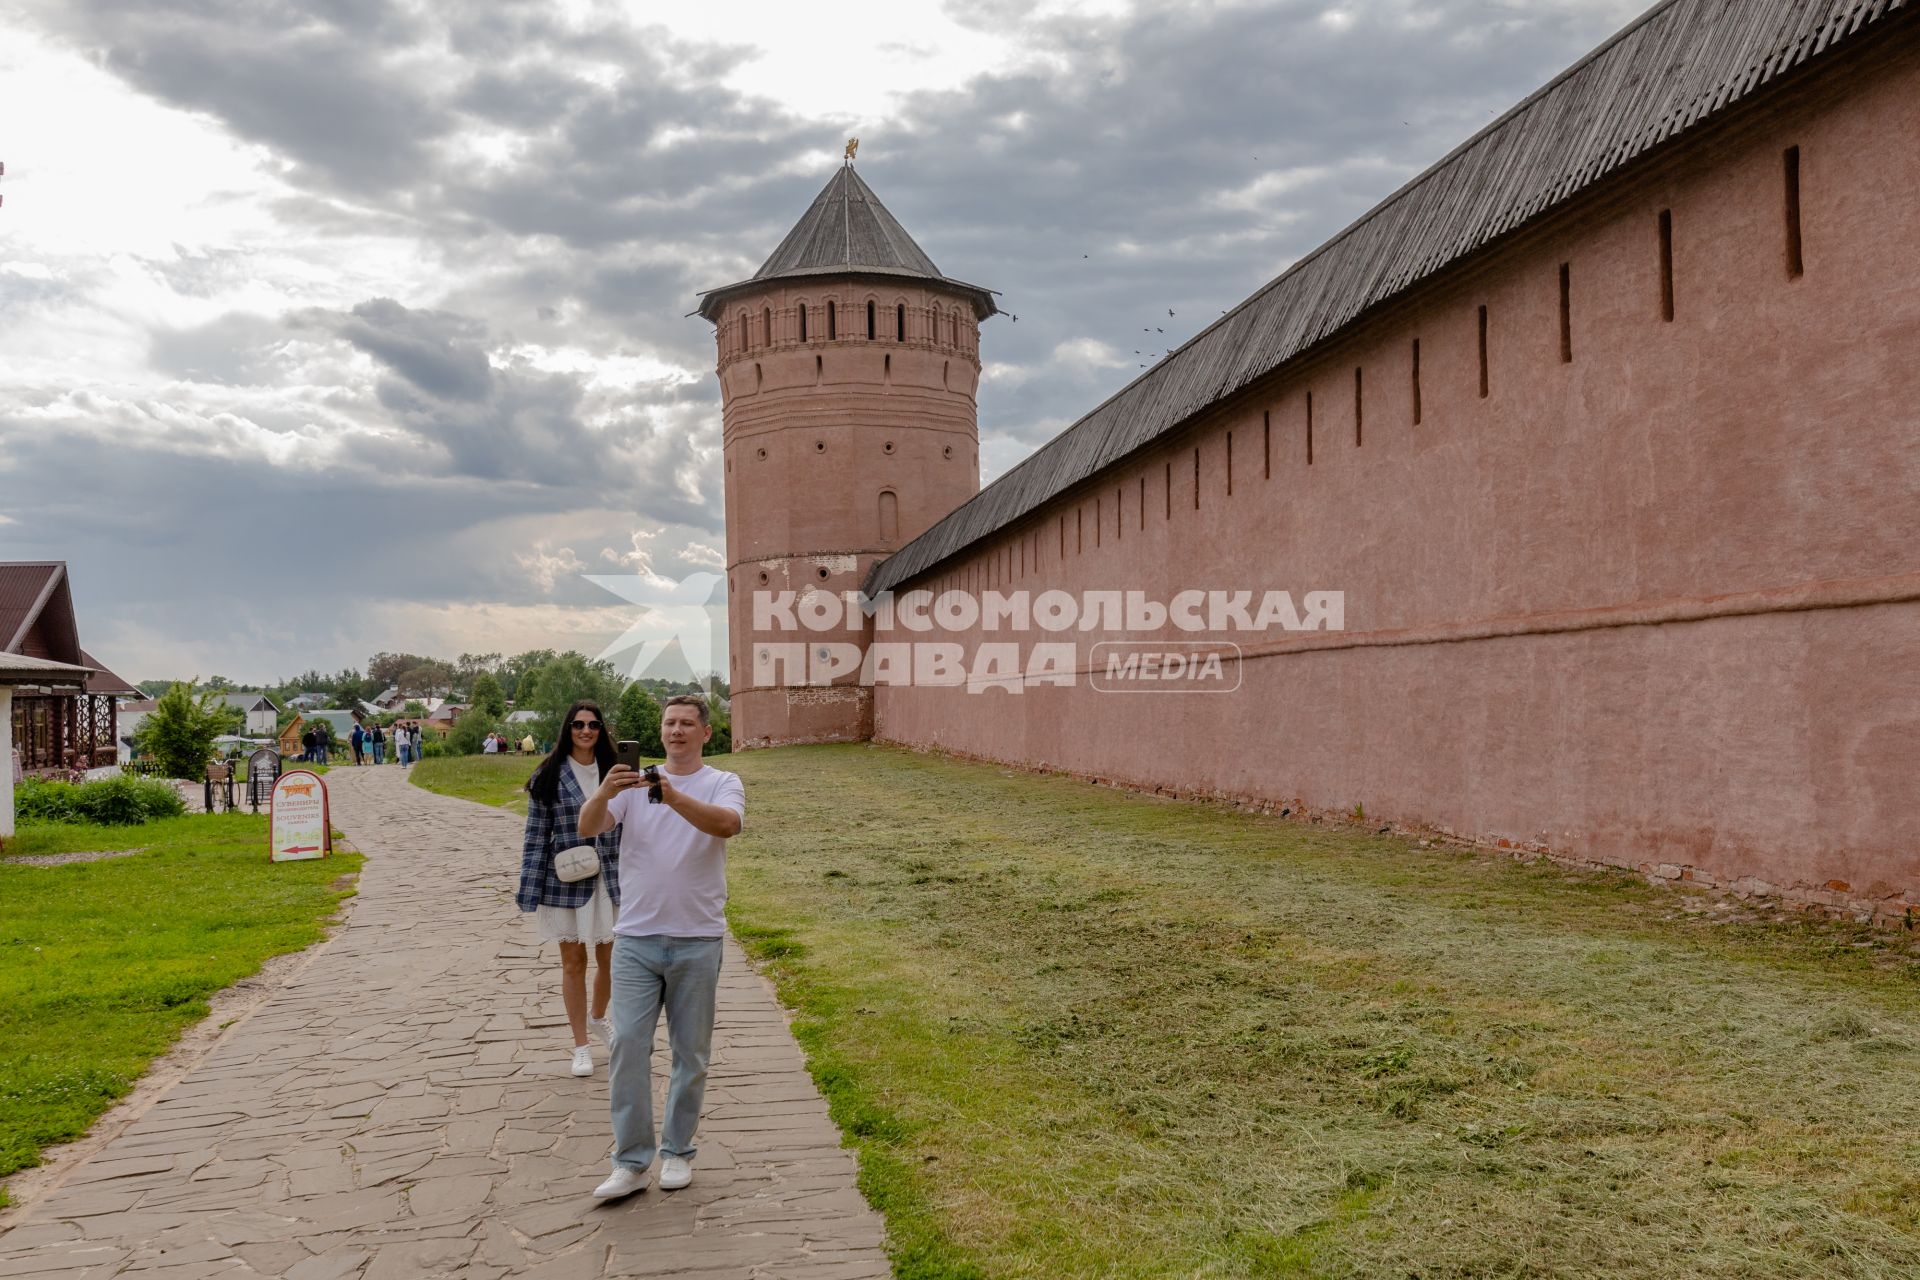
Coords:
pixel 627 752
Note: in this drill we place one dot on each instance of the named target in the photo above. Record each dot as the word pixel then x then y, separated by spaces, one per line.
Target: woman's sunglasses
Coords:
pixel 581 726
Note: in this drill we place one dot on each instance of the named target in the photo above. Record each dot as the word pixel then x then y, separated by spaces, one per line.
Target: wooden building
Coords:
pixel 63 716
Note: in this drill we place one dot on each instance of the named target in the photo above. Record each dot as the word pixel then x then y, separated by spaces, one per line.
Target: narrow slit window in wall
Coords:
pixel 1229 464
pixel 1169 491
pixel 1196 479
pixel 743 331
pixel 803 322
pixel 1079 530
pixel 833 322
pixel 766 326
pixel 1795 266
pixel 1309 428
pixel 1143 499
pixel 1063 537
pixel 1416 382
pixel 1483 351
pixel 900 322
pixel 819 368
pixel 1566 313
pixel 872 333
pixel 1359 412
pixel 1666 264
pixel 1099 516
pixel 1119 522
pixel 1266 444
pixel 889 516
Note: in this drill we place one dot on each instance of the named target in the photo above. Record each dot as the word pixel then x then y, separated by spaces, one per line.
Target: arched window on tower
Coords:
pixel 934 332
pixel 766 326
pixel 900 322
pixel 803 322
pixel 833 323
pixel 743 331
pixel 872 333
pixel 889 517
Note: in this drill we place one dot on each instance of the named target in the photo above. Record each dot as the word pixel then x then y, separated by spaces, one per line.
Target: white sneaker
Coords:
pixel 624 1182
pixel 582 1060
pixel 675 1173
pixel 603 1028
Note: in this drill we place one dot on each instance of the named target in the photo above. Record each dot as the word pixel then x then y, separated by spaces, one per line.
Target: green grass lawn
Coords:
pixel 103 964
pixel 1075 1032
pixel 500 781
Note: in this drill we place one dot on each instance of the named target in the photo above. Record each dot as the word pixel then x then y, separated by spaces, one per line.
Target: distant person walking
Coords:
pixel 577 914
pixel 378 737
pixel 309 746
pixel 666 952
pixel 358 738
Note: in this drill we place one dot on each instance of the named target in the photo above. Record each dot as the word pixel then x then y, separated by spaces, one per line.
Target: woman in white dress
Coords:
pixel 577 914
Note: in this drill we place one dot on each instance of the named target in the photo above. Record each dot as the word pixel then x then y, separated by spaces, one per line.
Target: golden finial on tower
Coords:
pixel 853 145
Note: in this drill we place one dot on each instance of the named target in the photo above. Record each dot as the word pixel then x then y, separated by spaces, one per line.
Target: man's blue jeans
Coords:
pixel 682 976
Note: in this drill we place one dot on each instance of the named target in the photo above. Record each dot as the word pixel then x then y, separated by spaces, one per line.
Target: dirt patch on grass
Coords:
pixel 62 859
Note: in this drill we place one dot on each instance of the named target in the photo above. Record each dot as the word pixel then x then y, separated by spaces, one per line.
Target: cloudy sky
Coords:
pixel 333 326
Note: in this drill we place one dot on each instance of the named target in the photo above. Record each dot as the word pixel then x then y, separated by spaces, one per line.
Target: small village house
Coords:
pixel 65 716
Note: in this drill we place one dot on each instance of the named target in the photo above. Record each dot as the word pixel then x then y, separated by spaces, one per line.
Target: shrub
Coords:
pixel 112 802
pixel 469 733
pixel 431 747
pixel 36 800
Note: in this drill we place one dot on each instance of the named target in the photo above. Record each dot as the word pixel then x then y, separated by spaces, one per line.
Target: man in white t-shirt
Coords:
pixel 667 940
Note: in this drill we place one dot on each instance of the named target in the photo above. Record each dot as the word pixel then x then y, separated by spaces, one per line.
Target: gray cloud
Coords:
pixel 1165 159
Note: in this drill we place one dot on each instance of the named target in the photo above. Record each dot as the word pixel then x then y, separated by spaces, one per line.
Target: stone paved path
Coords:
pixel 402 1109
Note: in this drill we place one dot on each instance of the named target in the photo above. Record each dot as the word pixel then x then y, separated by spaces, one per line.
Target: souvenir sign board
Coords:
pixel 299 823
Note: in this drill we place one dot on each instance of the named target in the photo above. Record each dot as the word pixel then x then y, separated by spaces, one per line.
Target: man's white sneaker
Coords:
pixel 603 1028
pixel 624 1182
pixel 582 1060
pixel 675 1173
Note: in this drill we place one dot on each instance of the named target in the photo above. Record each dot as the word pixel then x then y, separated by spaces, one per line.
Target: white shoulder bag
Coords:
pixel 582 862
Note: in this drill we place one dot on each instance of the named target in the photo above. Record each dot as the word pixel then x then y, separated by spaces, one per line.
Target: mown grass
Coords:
pixel 103 964
pixel 1074 1032
pixel 499 781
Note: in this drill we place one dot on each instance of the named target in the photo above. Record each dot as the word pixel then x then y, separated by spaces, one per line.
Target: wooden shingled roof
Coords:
pixel 1679 65
pixel 846 231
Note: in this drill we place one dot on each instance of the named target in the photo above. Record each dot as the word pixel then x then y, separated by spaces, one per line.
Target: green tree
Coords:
pixel 559 683
pixel 511 671
pixel 427 679
pixel 721 743
pixel 488 697
pixel 639 718
pixel 180 730
pixel 414 710
pixel 470 731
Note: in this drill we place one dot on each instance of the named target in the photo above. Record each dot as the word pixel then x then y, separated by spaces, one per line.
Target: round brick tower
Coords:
pixel 848 366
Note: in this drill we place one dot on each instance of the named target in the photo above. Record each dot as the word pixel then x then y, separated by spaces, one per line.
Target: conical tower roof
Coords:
pixel 846 231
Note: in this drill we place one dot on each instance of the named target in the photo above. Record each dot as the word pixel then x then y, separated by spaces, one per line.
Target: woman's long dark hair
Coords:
pixel 544 785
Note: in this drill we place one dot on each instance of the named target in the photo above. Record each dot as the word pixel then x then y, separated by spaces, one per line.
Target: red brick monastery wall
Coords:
pixel 1655 605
